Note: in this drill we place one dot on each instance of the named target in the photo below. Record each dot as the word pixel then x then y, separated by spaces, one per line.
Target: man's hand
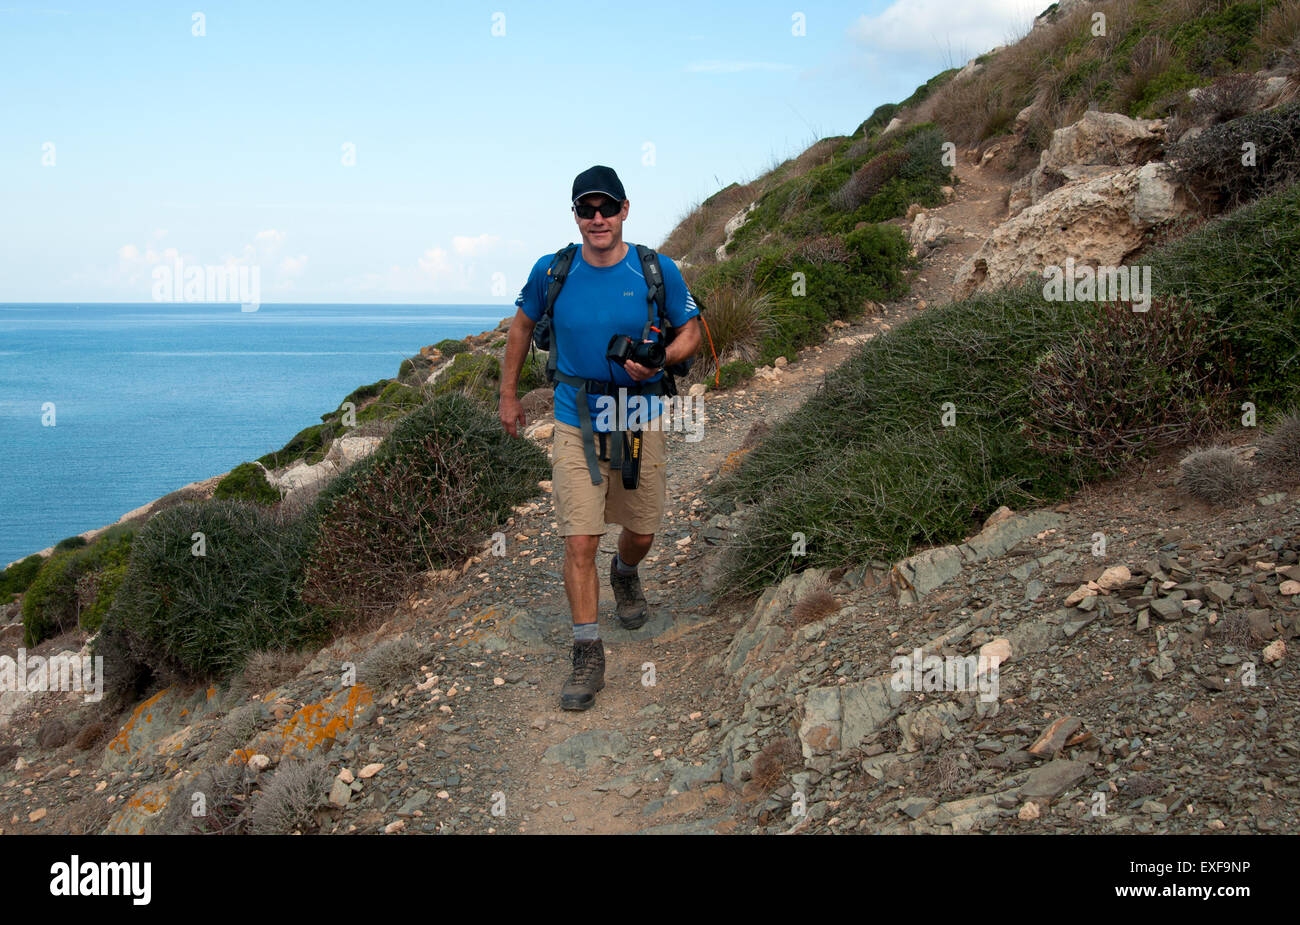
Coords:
pixel 638 372
pixel 512 415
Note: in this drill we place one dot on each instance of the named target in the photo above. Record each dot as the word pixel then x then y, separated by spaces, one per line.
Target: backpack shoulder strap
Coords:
pixel 656 296
pixel 556 275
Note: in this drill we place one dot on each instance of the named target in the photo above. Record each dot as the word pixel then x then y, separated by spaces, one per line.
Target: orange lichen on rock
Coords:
pixel 311 726
pixel 119 743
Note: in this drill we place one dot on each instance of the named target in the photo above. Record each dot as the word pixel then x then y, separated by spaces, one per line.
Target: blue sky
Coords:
pixel 127 141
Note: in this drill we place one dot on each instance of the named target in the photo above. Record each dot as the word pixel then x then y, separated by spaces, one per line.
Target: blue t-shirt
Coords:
pixel 594 304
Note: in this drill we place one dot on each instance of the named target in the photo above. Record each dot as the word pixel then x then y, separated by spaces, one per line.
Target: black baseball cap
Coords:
pixel 598 180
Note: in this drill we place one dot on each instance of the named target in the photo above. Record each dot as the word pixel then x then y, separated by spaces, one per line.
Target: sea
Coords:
pixel 105 407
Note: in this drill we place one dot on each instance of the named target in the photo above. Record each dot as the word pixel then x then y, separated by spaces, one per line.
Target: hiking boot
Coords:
pixel 579 693
pixel 632 607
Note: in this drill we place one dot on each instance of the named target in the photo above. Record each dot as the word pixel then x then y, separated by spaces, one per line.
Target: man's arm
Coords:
pixel 511 411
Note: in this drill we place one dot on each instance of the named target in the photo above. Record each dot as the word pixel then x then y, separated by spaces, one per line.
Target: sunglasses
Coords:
pixel 607 209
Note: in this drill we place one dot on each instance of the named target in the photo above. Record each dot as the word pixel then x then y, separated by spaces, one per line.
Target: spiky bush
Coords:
pixel 224 791
pixel 739 319
pixel 1280 448
pixel 289 801
pixel 773 763
pixel 814 606
pixel 210 582
pixel 867 180
pixel 429 496
pixel 1228 98
pixel 390 664
pixel 1127 385
pixel 1238 270
pixel 1214 475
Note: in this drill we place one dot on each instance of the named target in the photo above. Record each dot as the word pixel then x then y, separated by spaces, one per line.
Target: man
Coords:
pixel 603 295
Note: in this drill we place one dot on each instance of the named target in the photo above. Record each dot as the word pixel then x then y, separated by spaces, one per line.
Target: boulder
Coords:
pixel 927 230
pixel 1101 222
pixel 1086 149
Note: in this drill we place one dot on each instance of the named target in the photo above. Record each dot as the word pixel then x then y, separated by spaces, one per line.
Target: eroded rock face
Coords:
pixel 733 225
pixel 342 453
pixel 1089 148
pixel 1099 221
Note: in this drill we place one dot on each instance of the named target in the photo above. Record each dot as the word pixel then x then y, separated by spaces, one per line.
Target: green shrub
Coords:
pixel 71 542
pixel 247 482
pixel 429 495
pixel 360 395
pixel 75 587
pixel 450 346
pixel 866 468
pixel 18 577
pixel 532 375
pixel 198 616
pixel 396 400
pixel 1238 271
pixel 734 373
pixel 477 375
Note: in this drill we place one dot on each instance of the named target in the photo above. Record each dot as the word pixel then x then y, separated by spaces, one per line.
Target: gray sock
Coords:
pixel 622 567
pixel 586 632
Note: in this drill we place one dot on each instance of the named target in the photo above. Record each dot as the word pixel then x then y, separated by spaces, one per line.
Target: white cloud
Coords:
pixel 734 67
pixel 269 237
pixel 954 32
pixel 129 252
pixel 293 265
pixel 466 246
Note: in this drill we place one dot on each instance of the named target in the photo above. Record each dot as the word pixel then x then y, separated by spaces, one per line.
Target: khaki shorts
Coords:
pixel 584 508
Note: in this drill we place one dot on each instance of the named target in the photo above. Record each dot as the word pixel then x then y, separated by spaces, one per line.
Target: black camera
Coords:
pixel 622 348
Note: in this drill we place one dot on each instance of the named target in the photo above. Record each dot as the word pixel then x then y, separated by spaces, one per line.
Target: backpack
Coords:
pixel 656 311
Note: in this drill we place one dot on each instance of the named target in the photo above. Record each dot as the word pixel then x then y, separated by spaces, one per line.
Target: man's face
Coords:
pixel 598 232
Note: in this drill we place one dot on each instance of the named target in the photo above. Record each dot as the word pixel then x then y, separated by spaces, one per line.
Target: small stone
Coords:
pixel 1078 594
pixel 1275 651
pixel 996 651
pixel 1289 587
pixel 499 682
pixel 394 827
pixel 259 762
pixel 340 793
pixel 1028 812
pixel 369 771
pixel 346 776
pixel 1166 608
pixel 37 815
pixel 1114 577
pixel 1219 591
